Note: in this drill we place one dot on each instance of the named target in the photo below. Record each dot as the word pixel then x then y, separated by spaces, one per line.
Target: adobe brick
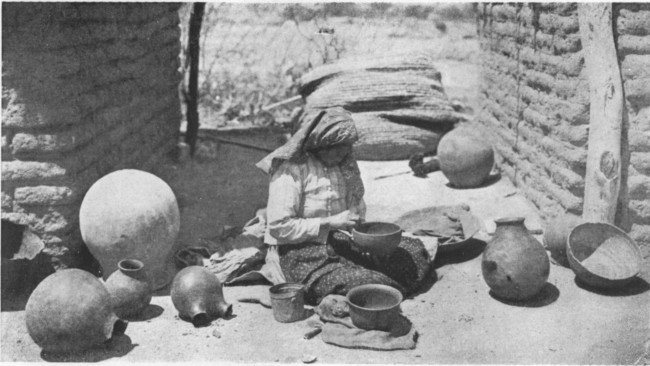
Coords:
pixel 45 196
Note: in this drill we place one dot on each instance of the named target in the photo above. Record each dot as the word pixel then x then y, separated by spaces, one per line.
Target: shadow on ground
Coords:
pixel 117 346
pixel 636 287
pixel 547 295
pixel 472 249
pixel 150 312
pixel 490 180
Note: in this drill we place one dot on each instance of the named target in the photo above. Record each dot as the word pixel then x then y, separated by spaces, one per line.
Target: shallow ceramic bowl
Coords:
pixel 374 307
pixel 602 255
pixel 377 238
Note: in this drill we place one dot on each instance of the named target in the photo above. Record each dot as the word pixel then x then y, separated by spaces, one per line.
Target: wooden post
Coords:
pixel 196 18
pixel 603 176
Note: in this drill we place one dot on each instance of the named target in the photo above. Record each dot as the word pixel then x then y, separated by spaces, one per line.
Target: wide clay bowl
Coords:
pixel 374 307
pixel 377 238
pixel 602 255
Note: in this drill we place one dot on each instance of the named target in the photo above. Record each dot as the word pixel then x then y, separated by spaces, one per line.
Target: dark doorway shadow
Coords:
pixel 635 287
pixel 546 296
pixel 117 346
pixel 470 250
pixel 490 180
pixel 150 312
pixel 14 300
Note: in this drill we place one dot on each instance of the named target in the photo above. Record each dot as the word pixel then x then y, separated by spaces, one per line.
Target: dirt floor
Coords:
pixel 457 319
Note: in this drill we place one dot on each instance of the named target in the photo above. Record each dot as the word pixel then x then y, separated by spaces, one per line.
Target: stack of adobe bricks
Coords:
pixel 87 88
pixel 535 103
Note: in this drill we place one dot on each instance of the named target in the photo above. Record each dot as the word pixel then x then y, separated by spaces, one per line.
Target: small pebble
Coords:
pixel 309 359
pixel 216 333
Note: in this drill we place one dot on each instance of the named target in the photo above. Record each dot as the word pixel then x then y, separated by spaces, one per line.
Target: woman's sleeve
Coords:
pixel 285 197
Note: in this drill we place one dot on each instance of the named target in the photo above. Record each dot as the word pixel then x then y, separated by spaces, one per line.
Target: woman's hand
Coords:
pixel 343 220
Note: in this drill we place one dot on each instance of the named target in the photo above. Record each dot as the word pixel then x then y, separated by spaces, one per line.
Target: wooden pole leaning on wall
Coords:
pixel 192 112
pixel 603 176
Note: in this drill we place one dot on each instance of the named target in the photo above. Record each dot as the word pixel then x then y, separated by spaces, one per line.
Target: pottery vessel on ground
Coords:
pixel 466 159
pixel 603 255
pixel 197 295
pixel 70 310
pixel 131 214
pixel 374 307
pixel 515 265
pixel 556 234
pixel 130 288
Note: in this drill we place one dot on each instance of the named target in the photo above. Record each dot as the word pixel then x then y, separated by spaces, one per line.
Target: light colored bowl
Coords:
pixel 377 238
pixel 374 307
pixel 602 255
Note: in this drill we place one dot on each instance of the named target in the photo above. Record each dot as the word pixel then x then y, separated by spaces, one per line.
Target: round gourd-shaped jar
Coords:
pixel 130 288
pixel 70 310
pixel 515 265
pixel 197 295
pixel 131 214
pixel 466 159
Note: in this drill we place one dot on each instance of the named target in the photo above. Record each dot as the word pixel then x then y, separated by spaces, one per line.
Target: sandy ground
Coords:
pixel 457 319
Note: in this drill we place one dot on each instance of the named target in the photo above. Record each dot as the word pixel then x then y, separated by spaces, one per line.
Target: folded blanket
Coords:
pixel 338 329
pixel 402 336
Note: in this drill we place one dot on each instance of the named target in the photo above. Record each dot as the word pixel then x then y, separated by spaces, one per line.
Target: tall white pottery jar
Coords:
pixel 131 214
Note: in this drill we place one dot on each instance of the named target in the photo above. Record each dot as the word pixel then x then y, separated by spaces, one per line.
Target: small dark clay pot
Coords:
pixel 197 295
pixel 70 311
pixel 130 288
pixel 515 265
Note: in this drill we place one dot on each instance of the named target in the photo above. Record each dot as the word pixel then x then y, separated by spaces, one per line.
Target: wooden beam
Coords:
pixel 192 113
pixel 603 176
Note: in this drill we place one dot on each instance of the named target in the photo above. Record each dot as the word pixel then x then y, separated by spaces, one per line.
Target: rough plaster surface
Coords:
pixel 87 89
pixel 457 319
pixel 535 101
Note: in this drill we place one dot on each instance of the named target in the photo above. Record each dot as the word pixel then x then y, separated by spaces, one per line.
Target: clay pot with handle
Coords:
pixel 71 310
pixel 197 295
pixel 129 288
pixel 515 265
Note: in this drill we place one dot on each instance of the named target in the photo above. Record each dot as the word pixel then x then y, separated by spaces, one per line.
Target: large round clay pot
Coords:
pixel 70 310
pixel 129 288
pixel 557 232
pixel 465 158
pixel 197 295
pixel 131 214
pixel 515 265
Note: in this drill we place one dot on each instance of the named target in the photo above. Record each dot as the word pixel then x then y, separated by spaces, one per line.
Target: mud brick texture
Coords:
pixel 535 104
pixel 87 89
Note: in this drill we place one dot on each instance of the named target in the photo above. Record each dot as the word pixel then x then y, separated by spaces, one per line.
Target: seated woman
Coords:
pixel 315 189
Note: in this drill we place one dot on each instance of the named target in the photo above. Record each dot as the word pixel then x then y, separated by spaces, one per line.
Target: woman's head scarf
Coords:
pixel 321 129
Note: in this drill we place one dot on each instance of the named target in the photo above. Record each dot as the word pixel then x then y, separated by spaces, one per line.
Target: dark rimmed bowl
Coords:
pixel 377 238
pixel 374 307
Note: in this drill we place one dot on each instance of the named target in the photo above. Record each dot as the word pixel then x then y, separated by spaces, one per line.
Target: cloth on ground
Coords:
pixel 448 223
pixel 239 255
pixel 339 330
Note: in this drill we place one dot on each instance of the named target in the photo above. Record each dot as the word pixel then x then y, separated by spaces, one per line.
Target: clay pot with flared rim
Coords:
pixel 198 296
pixel 129 288
pixel 515 265
pixel 131 214
pixel 466 159
pixel 71 310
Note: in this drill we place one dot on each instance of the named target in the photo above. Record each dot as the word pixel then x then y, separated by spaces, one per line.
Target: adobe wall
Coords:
pixel 535 103
pixel 87 88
